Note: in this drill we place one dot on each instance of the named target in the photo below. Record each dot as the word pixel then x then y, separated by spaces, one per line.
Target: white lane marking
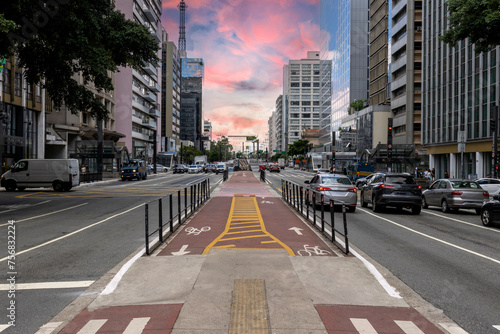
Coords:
pixel 22 206
pixel 3 327
pixel 72 233
pixel 114 282
pixel 182 251
pixel 136 326
pixel 408 327
pixel 48 328
pixel 453 328
pixel 434 238
pixel 47 214
pixel 462 222
pixel 363 326
pixel 48 285
pixel 496 327
pixel 92 326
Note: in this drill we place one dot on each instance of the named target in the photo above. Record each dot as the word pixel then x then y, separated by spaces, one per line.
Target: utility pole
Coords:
pixel 494 130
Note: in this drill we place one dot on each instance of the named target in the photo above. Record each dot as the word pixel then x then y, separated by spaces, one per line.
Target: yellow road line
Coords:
pixel 244 203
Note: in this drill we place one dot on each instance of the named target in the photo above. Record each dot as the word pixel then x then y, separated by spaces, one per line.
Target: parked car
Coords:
pixel 490 185
pixel 180 169
pixel 274 168
pixel 490 211
pixel 334 186
pixel 398 190
pixel 193 169
pixel 360 182
pixel 454 194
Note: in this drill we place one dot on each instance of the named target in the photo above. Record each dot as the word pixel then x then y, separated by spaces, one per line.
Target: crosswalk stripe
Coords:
pixel 363 326
pixel 408 327
pixel 92 326
pixel 496 327
pixel 3 327
pixel 136 326
pixel 48 328
pixel 452 328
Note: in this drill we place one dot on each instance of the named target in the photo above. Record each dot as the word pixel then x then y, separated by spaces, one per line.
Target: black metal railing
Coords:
pixel 198 194
pixel 305 201
pixel 90 177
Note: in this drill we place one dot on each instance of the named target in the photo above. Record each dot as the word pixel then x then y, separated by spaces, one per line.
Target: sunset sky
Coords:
pixel 244 44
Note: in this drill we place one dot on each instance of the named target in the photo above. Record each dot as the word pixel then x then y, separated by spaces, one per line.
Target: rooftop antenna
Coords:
pixel 182 29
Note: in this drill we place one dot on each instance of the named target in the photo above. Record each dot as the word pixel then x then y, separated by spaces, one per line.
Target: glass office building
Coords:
pixel 192 72
pixel 344 43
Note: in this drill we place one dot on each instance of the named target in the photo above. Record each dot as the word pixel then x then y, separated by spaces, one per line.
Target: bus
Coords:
pixel 167 159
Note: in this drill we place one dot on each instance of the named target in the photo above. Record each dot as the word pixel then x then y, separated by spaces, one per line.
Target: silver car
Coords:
pixel 334 186
pixel 454 194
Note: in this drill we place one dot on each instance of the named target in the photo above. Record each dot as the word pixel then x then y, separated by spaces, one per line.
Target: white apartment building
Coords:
pixel 301 97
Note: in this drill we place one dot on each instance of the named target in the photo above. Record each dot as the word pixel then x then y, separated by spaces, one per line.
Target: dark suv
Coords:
pixel 398 190
pixel 179 169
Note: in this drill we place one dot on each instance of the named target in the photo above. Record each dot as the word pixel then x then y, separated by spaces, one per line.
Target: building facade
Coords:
pixel 192 73
pixel 406 71
pixel 344 42
pixel 461 90
pixel 22 117
pixel 137 91
pixel 171 97
pixel 301 92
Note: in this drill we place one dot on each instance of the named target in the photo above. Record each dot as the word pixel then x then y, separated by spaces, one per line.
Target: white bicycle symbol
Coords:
pixel 195 231
pixel 310 251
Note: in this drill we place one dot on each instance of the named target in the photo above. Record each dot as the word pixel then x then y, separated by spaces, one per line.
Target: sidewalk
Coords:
pixel 235 268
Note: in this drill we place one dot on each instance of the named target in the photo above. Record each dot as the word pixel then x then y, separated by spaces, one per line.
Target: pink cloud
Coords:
pixel 244 45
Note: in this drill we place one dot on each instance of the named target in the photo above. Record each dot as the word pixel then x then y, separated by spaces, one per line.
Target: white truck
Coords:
pixel 200 160
pixel 281 163
pixel 60 174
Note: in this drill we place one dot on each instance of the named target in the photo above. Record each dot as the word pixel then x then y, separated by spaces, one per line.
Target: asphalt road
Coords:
pixel 74 237
pixel 450 259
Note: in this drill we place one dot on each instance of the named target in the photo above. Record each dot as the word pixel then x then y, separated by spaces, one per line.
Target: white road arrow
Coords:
pixel 182 251
pixel 296 229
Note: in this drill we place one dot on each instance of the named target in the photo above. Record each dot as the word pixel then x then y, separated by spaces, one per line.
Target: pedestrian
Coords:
pixel 446 175
pixel 433 173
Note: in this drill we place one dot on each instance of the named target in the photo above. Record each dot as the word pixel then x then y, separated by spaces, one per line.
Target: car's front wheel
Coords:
pixel 363 203
pixel 486 218
pixel 424 203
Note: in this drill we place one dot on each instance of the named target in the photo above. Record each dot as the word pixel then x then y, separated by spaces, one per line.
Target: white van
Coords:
pixel 60 174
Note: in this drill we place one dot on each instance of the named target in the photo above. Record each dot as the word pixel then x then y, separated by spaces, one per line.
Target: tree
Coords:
pixel 55 39
pixel 479 20
pixel 188 154
pixel 6 26
pixel 300 147
pixel 358 105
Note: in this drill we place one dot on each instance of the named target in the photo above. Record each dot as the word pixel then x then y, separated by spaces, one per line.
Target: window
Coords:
pixel 17 84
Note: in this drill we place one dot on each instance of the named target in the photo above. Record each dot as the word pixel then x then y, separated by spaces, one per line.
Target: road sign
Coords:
pixel 461 137
pixel 461 147
pixel 276 151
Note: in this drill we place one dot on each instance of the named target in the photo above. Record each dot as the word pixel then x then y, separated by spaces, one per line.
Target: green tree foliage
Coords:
pixel 5 27
pixel 479 20
pixel 188 154
pixel 220 150
pixel 56 39
pixel 358 105
pixel 300 147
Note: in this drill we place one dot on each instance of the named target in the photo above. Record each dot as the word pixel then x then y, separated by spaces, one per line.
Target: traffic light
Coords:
pixel 493 125
pixel 389 131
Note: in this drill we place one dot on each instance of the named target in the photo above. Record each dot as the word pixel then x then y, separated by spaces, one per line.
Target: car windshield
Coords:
pixel 193 166
pixel 465 184
pixel 335 180
pixel 400 179
pixel 130 164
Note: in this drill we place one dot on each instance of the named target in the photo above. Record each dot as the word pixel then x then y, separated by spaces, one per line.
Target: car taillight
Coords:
pixel 456 193
pixel 486 194
pixel 386 186
pixel 322 188
pixel 416 187
pixel 352 190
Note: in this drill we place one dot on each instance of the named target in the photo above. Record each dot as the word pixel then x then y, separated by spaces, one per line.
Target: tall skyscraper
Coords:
pixel 192 73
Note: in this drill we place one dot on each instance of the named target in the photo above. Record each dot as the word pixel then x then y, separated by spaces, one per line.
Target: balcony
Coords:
pixel 153 112
pixel 150 69
pixel 155 35
pixel 148 96
pixel 149 122
pixel 149 14
pixel 154 87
